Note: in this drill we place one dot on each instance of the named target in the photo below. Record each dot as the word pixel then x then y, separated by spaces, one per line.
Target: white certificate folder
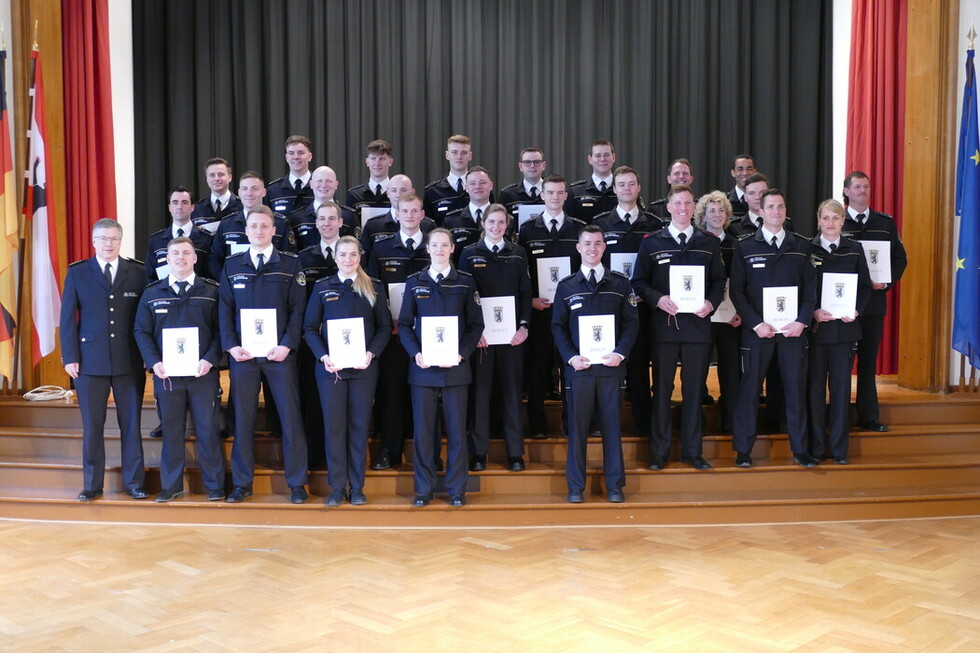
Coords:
pixel 181 351
pixel 596 336
pixel 879 256
pixel 499 320
pixel 440 340
pixel 779 306
pixel 687 287
pixel 838 294
pixel 260 332
pixel 345 340
pixel 551 270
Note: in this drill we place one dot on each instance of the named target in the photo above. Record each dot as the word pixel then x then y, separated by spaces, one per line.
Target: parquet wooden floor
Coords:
pixel 869 586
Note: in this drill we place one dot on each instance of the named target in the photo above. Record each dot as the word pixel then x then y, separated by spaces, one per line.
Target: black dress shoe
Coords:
pixel 616 496
pixel 539 436
pixel 336 498
pixel 226 434
pixel 656 463
pixel 156 433
pixel 216 495
pixel 168 495
pixel 516 464
pixel 439 465
pixel 804 460
pixel 842 460
pixel 421 500
pixel 89 495
pixel 239 493
pixel 457 500
pixel 872 426
pixel 707 400
pixel 357 498
pixel 697 462
pixel 383 461
pixel 743 459
pixel 478 463
pixel 576 497
pixel 298 494
pixel 137 493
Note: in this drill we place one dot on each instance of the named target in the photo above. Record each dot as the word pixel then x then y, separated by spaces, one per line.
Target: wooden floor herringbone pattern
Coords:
pixel 867 586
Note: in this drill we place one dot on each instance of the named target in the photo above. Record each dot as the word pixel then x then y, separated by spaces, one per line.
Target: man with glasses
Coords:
pixel 98 350
pixel 531 165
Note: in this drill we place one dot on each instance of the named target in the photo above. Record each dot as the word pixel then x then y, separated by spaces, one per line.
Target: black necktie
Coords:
pixel 348 283
pixel 217 208
pixel 377 190
pixel 833 247
pixel 328 253
pixel 410 244
pixel 496 248
pixel 682 239
pixel 592 280
pixel 181 288
pixel 774 243
pixel 459 186
pixel 602 187
pixel 261 257
pixel 860 218
pixel 554 227
pixel 108 274
pixel 479 212
pixel 627 218
pixel 758 223
pixel 298 185
pixel 180 233
pixel 439 278
pixel 534 192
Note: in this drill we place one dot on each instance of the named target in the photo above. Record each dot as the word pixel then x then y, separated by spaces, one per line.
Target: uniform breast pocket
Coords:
pixel 88 338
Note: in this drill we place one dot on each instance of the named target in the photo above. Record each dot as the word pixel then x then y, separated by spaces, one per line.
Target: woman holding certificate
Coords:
pixel 713 216
pixel 440 324
pixel 844 287
pixel 347 325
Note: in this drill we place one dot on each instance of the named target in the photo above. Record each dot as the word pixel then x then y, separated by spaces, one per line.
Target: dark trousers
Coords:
pixel 426 438
pixel 174 396
pixel 792 354
pixel 867 360
pixel 393 404
pixel 726 339
pixel 93 398
pixel 829 364
pixel 693 358
pixel 540 369
pixel 588 395
pixel 638 375
pixel 502 363
pixel 309 401
pixel 346 409
pixel 283 380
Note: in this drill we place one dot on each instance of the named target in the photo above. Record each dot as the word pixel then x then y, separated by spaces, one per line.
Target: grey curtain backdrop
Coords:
pixel 702 79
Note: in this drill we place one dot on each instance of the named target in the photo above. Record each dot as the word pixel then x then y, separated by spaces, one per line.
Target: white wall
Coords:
pixel 123 119
pixel 839 82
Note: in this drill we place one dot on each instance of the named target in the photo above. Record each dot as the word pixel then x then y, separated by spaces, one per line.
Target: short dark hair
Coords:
pixel 624 170
pixel 857 174
pixel 555 179
pixel 380 146
pixel 302 140
pixel 531 149
pixel 590 229
pixel 769 192
pixel 251 174
pixel 743 156
pixel 602 141
pixel 478 169
pixel 680 160
pixel 679 188
pixel 756 178
pixel 217 161
pixel 179 189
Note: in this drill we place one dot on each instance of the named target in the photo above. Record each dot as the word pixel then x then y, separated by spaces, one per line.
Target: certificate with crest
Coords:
pixel 687 287
pixel 879 256
pixel 181 351
pixel 396 292
pixel 551 270
pixel 499 319
pixel 368 212
pixel 779 306
pixel 345 342
pixel 440 340
pixel 596 336
pixel 726 309
pixel 527 212
pixel 237 248
pixel 623 262
pixel 260 332
pixel 838 294
pixel 163 271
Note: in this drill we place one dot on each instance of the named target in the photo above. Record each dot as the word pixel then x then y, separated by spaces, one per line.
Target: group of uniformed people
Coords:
pixel 597 285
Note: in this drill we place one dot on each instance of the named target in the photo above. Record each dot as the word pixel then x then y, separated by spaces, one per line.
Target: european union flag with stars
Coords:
pixel 966 304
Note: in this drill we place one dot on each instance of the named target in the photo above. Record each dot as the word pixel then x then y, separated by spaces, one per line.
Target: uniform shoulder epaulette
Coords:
pixel 156 233
pixel 464 273
pixel 322 280
pixel 432 183
pixel 236 255
pixel 581 222
pixel 374 280
pixel 568 276
pixel 210 281
pixel 884 215
pixel 289 254
pixel 133 260
pixel 579 182
pixel 620 273
pixel 413 275
pixel 156 283
pixel 383 236
pixel 71 265
pixel 430 221
pixel 514 185
pixel 307 249
pixel 356 187
pixel 275 181
pixel 744 236
pixel 456 211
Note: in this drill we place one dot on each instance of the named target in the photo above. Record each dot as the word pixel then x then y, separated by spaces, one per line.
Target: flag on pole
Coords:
pixel 9 224
pixel 45 289
pixel 966 302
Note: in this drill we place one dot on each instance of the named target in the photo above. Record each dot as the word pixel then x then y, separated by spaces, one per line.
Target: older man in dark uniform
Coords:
pixel 98 310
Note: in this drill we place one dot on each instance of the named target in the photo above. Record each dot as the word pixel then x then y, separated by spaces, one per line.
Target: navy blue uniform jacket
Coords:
pixel 848 258
pixel 503 274
pixel 331 300
pixel 456 295
pixel 281 196
pixel 280 285
pixel 160 309
pixel 879 226
pixel 156 251
pixel 97 322
pixel 303 223
pixel 755 266
pixel 651 280
pixel 612 296
pixel 232 231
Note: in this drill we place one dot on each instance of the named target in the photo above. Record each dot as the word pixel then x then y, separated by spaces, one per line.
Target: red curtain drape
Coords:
pixel 89 154
pixel 876 124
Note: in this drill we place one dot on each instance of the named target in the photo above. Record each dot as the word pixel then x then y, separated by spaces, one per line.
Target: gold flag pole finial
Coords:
pixel 34 43
pixel 972 34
